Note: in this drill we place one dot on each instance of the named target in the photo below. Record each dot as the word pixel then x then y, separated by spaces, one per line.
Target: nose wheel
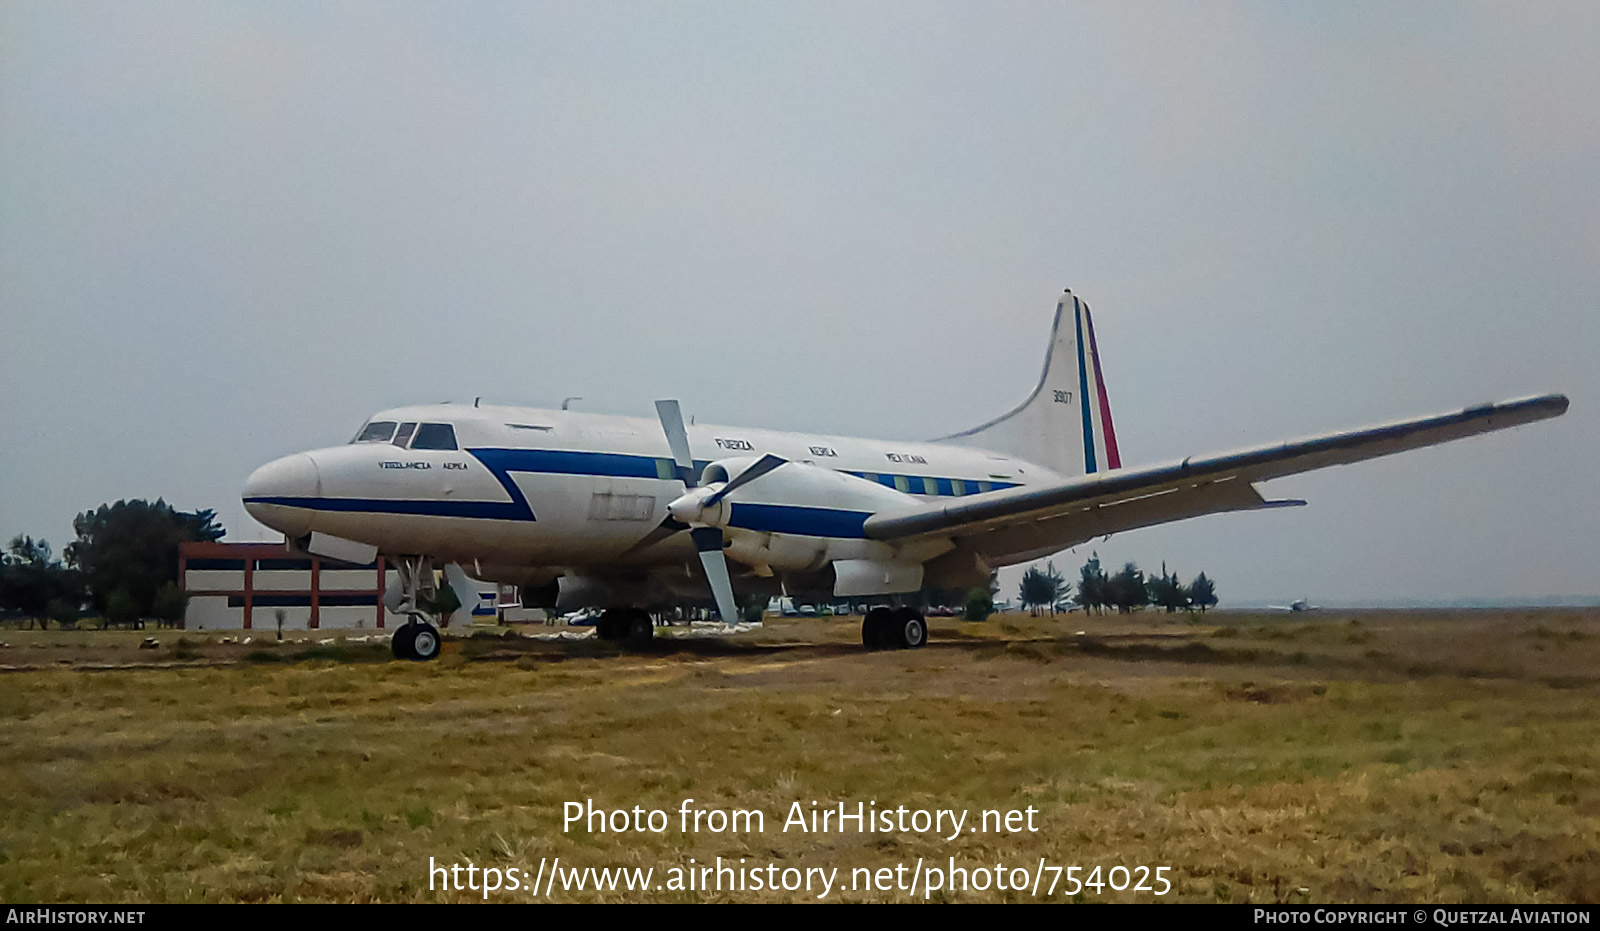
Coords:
pixel 415 639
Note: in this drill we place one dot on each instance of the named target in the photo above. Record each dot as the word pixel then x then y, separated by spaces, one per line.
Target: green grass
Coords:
pixel 1442 758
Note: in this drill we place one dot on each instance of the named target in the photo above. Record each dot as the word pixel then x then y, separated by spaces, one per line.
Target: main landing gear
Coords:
pixel 630 626
pixel 416 638
pixel 893 629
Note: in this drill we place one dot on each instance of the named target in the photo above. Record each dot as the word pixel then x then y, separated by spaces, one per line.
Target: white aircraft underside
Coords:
pixel 612 511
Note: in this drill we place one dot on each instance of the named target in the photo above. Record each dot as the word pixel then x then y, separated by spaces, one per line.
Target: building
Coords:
pixel 243 586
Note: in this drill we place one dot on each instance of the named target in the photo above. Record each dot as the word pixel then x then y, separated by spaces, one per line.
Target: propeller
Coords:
pixel 688 511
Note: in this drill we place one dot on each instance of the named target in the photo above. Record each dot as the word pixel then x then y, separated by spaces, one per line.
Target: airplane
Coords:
pixel 625 514
pixel 1295 606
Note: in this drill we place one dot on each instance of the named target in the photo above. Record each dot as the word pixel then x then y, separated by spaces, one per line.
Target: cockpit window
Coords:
pixel 379 431
pixel 435 436
pixel 404 436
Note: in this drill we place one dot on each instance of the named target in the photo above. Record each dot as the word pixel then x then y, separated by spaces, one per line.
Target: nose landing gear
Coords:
pixel 416 638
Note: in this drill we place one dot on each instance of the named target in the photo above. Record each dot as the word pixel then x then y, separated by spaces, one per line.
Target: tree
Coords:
pixel 1126 589
pixel 30 580
pixel 24 550
pixel 1202 592
pixel 132 546
pixel 1166 591
pixel 1092 585
pixel 25 583
pixel 122 608
pixel 1041 588
pixel 169 604
pixel 63 611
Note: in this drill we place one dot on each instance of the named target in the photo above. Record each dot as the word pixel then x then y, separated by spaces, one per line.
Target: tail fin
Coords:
pixel 1065 425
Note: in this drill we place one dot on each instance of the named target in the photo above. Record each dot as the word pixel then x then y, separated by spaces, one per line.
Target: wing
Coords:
pixel 1033 521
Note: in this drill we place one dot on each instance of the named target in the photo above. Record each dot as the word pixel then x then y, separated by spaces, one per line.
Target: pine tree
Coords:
pixel 1202 592
pixel 1127 589
pixel 1166 591
pixel 1092 585
pixel 1041 588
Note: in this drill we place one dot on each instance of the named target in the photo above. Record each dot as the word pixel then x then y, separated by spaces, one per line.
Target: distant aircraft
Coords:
pixel 1300 605
pixel 626 514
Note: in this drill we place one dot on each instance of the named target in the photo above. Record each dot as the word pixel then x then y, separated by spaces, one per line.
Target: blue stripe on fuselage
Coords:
pixel 566 462
pixel 804 521
pixel 502 462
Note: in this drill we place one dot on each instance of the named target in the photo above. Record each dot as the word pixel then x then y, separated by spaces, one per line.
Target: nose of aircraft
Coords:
pixel 281 493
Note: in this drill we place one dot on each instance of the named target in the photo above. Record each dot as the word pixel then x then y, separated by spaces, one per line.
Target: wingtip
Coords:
pixel 1546 405
pixel 1554 405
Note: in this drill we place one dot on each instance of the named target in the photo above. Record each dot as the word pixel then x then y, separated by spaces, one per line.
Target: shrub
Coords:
pixel 63 612
pixel 121 608
pixel 170 604
pixel 980 604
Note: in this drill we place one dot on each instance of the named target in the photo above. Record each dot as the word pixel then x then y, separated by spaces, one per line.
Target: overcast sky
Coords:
pixel 229 231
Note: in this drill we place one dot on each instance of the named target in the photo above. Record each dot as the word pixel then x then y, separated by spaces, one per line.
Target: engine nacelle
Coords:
pixel 797 518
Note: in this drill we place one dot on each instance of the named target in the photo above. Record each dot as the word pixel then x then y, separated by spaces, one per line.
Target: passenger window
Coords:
pixel 379 431
pixel 404 436
pixel 958 487
pixel 902 483
pixel 435 436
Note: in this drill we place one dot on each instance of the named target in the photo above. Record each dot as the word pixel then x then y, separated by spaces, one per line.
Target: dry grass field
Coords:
pixel 1331 756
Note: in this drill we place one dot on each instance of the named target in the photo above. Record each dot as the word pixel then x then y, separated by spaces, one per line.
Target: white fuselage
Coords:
pixel 529 488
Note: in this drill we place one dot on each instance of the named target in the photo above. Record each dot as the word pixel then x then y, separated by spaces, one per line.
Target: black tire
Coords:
pixel 607 626
pixel 641 629
pixel 907 630
pixel 403 641
pixel 425 642
pixel 873 627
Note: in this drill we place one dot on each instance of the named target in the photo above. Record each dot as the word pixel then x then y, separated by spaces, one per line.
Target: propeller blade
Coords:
pixel 662 530
pixel 762 466
pixel 677 439
pixel 708 540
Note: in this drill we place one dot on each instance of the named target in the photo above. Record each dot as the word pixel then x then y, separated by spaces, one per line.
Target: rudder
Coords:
pixel 1065 424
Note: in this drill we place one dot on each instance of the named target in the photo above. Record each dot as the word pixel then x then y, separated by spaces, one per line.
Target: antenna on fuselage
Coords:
pixel 566 401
